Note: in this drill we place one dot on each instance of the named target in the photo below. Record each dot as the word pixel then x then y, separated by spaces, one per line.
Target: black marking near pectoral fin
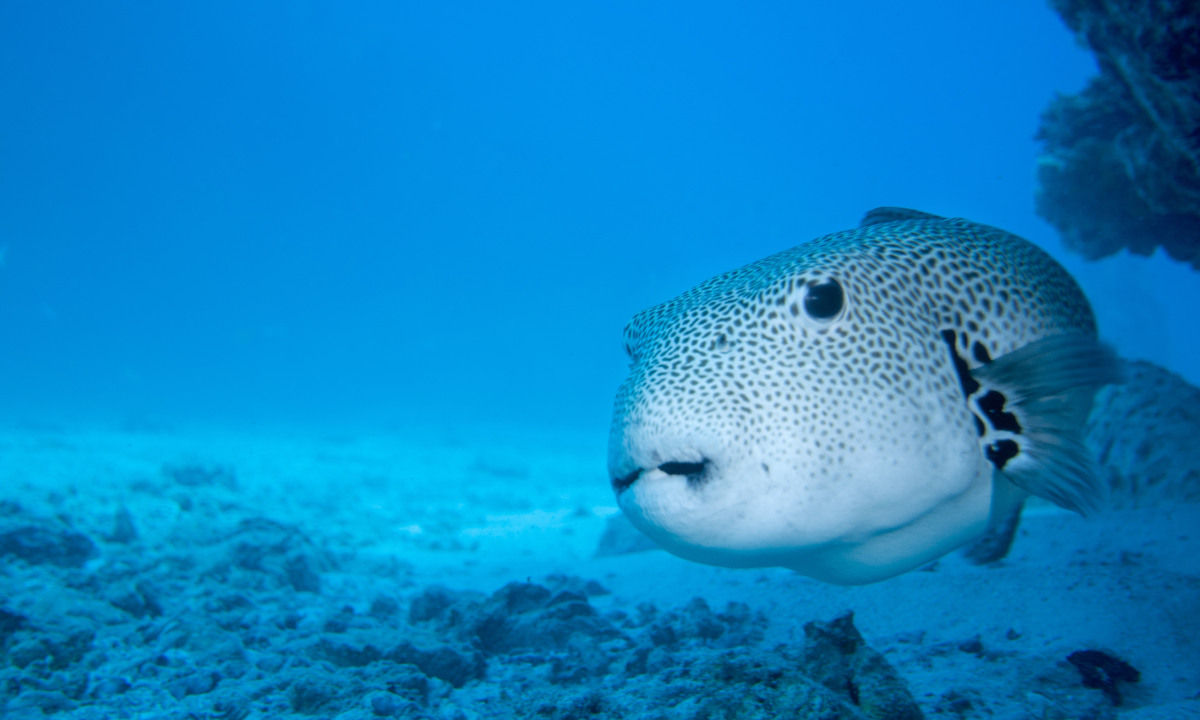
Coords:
pixel 999 452
pixel 994 406
pixel 968 383
pixel 1046 387
pixel 881 215
pixel 985 404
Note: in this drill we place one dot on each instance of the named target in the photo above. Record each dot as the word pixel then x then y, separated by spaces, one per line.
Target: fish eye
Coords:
pixel 824 300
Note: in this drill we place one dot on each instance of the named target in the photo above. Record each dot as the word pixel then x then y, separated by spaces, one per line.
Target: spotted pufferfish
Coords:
pixel 862 404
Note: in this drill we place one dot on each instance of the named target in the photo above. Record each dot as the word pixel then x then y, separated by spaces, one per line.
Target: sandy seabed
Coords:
pixel 454 574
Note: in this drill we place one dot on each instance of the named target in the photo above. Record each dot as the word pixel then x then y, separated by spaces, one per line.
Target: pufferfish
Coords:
pixel 862 404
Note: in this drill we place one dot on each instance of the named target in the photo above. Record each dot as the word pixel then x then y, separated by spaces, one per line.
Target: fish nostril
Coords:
pixel 683 468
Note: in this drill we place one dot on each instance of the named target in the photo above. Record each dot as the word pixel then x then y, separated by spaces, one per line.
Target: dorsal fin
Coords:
pixel 892 214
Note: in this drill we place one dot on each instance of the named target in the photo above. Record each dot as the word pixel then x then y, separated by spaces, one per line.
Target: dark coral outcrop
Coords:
pixel 1120 167
pixel 1142 433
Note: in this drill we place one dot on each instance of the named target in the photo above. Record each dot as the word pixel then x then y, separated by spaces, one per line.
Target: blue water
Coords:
pixel 364 219
pixel 365 214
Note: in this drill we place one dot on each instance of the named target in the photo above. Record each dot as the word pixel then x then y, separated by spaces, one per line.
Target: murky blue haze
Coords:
pixel 356 215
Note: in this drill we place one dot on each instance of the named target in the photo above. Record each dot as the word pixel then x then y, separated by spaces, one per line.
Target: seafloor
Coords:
pixel 454 574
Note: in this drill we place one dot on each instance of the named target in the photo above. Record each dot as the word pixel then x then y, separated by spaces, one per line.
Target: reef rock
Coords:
pixel 836 655
pixel 1143 435
pixel 1121 160
pixel 41 541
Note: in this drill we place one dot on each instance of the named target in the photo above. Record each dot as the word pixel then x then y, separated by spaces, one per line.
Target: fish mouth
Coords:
pixel 694 472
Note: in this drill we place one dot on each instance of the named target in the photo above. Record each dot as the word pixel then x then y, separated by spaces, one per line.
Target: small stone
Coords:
pixel 1103 671
pixel 197 683
pixel 521 597
pixel 429 604
pixel 10 622
pixel 109 686
pixel 47 544
pixel 301 575
pixel 48 702
pixel 385 704
pixel 409 682
pixel 141 601
pixel 445 663
pixel 269 663
pixel 383 607
pixel 194 475
pixel 974 646
pixel 347 653
pixel 124 531
pixel 309 696
pixel 593 589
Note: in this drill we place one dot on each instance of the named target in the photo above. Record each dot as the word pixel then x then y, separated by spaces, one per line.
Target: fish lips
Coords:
pixel 694 472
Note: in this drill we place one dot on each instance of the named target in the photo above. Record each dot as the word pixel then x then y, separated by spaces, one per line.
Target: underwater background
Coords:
pixel 360 215
pixel 311 317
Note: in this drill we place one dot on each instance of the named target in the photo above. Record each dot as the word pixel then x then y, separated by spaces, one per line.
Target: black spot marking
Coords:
pixel 992 404
pixel 824 300
pixel 1001 451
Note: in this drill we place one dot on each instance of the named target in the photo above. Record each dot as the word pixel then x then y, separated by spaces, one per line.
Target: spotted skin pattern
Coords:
pixel 767 421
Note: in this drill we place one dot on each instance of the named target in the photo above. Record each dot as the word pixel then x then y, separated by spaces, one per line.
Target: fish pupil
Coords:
pixel 824 300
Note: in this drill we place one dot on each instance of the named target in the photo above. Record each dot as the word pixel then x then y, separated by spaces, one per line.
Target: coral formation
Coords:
pixel 1142 433
pixel 1121 160
pixel 229 627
